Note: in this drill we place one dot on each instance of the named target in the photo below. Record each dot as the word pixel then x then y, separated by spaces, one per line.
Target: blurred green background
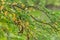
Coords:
pixel 29 19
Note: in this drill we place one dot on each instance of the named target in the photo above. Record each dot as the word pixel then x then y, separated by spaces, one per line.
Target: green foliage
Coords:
pixel 29 20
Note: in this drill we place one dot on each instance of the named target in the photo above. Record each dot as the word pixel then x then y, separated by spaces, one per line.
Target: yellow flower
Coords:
pixel 5 13
pixel 26 24
pixel 3 2
pixel 1 7
pixel 14 17
pixel 22 5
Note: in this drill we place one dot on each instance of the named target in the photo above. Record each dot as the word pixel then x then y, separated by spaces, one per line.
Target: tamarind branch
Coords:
pixel 45 23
